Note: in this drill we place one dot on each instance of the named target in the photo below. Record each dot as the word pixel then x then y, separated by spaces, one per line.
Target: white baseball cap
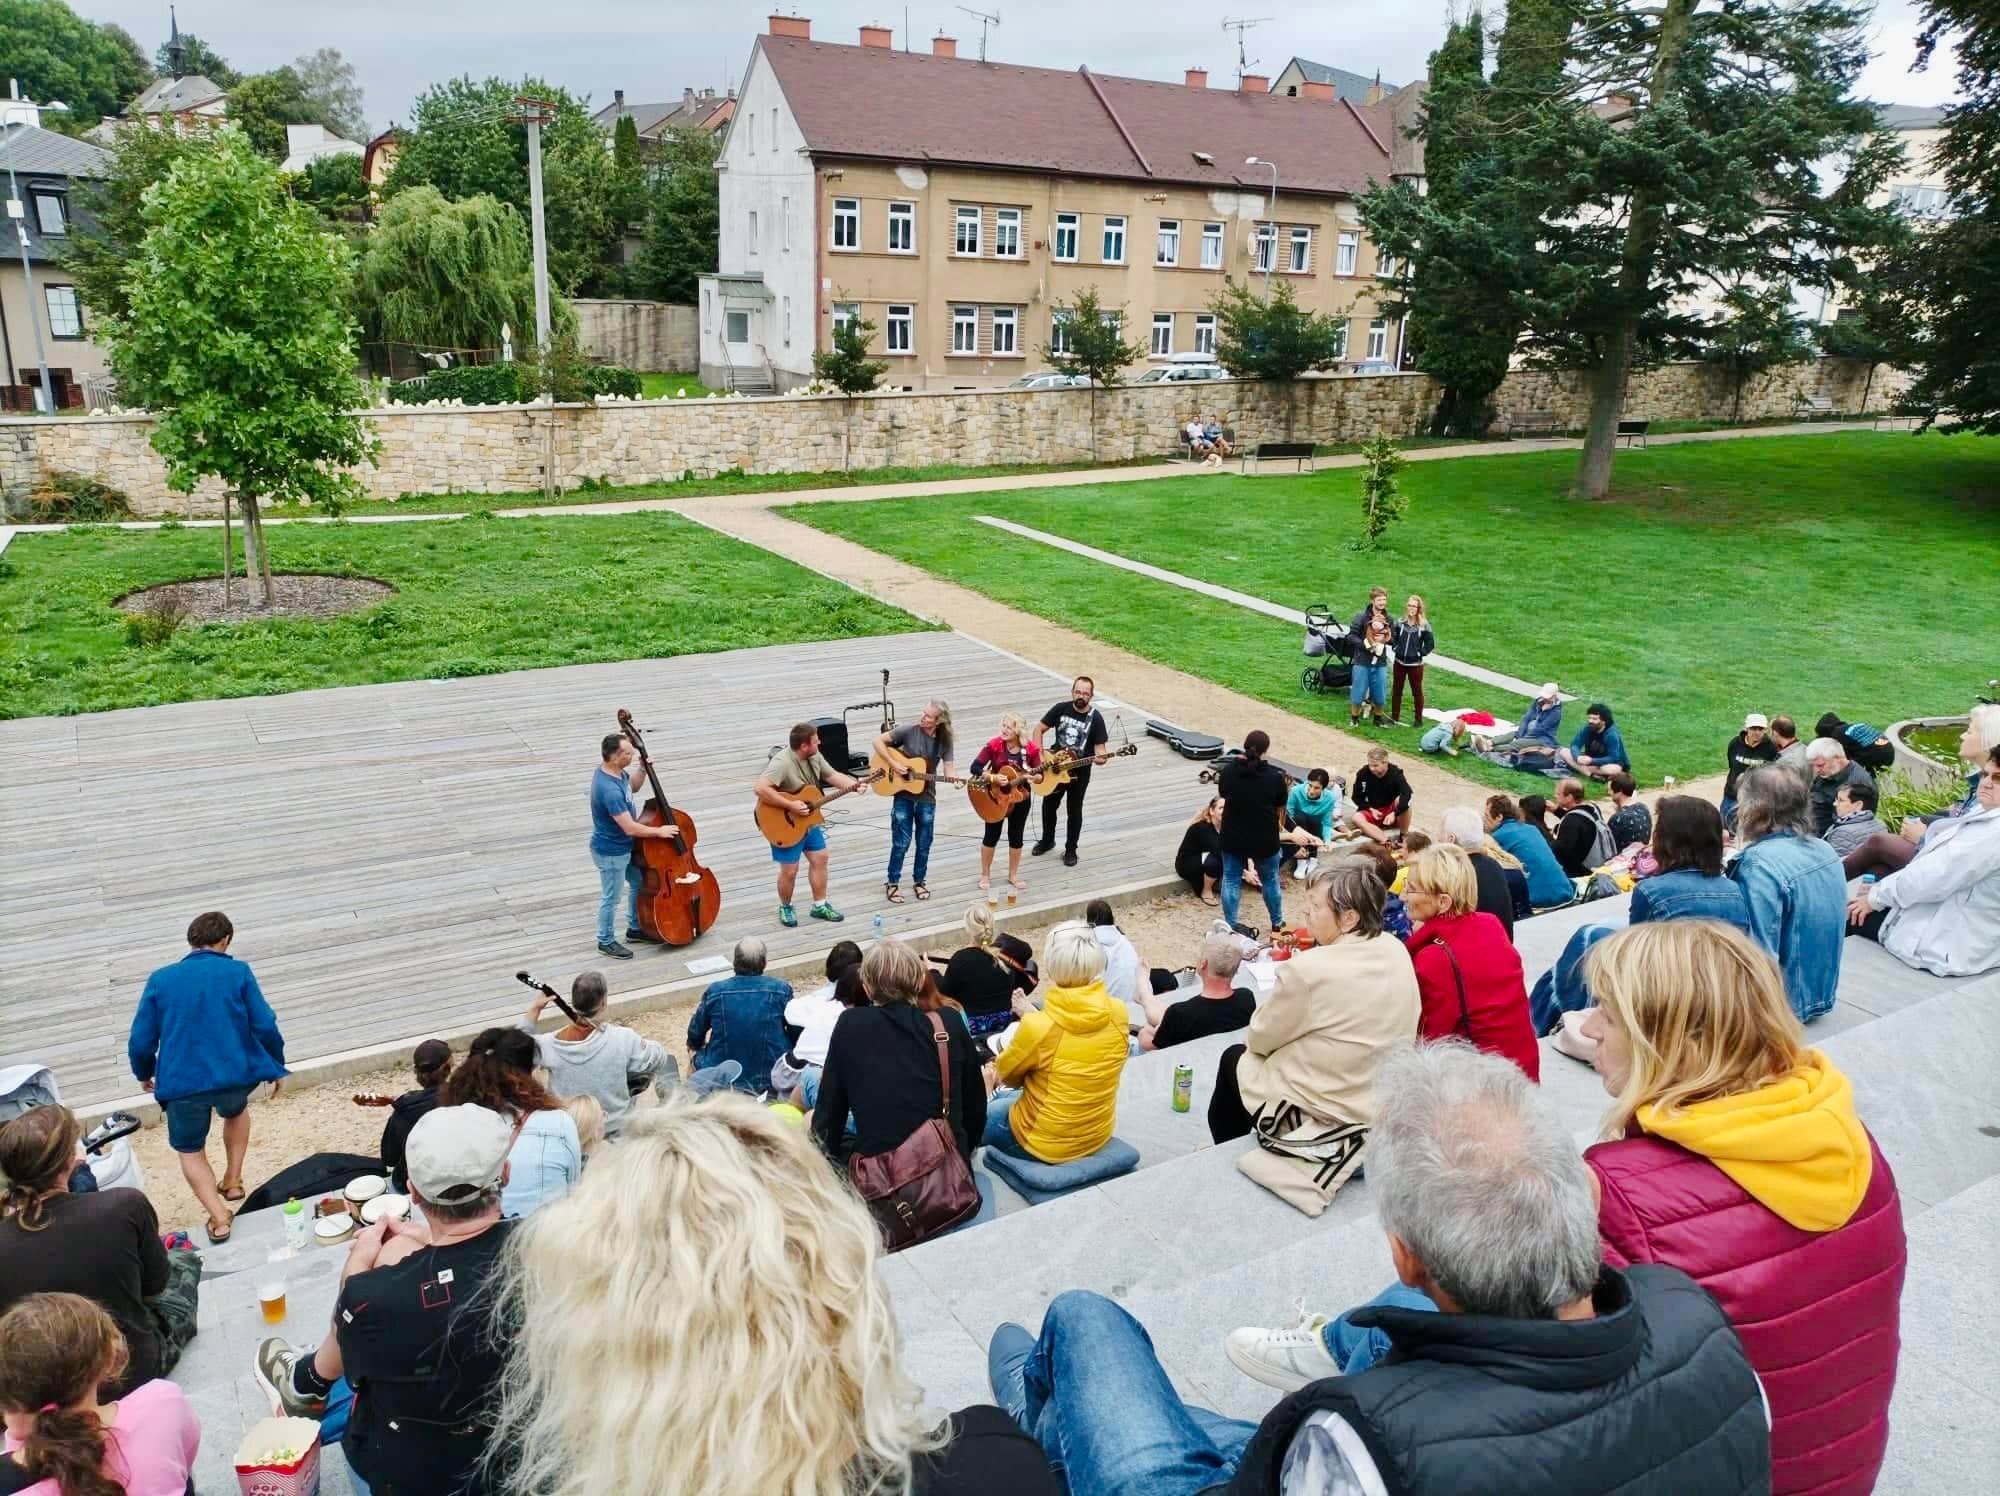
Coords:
pixel 1548 692
pixel 1756 719
pixel 457 1152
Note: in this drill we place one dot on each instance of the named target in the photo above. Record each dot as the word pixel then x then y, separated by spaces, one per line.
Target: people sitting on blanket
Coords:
pixel 1395 914
pixel 498 1074
pixel 1510 1328
pixel 616 1387
pixel 1218 1007
pixel 1598 749
pixel 1450 737
pixel 1380 795
pixel 65 1436
pixel 1583 838
pixel 984 974
pixel 1198 861
pixel 1868 746
pixel 1216 437
pixel 1883 855
pixel 1502 886
pixel 1631 821
pixel 1414 643
pixel 1831 768
pixel 594 1058
pixel 1373 635
pixel 1854 819
pixel 417 1348
pixel 1124 972
pixel 809 1020
pixel 1940 912
pixel 1549 887
pixel 1534 744
pixel 1336 1009
pixel 432 1065
pixel 1312 813
pixel 1065 1058
pixel 1751 748
pixel 1468 972
pixel 1792 886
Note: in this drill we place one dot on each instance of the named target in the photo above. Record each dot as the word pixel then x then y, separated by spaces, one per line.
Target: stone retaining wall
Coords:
pixel 503 448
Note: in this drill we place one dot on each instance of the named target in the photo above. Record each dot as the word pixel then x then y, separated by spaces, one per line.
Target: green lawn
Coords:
pixel 475 596
pixel 1789 574
pixel 678 386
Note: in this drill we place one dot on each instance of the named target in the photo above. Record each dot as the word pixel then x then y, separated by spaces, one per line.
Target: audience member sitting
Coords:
pixel 1535 812
pixel 1583 841
pixel 1215 436
pixel 1631 822
pixel 1395 914
pixel 593 1058
pixel 1124 973
pixel 1464 827
pixel 546 1156
pixel 1535 743
pixel 104 1245
pixel 1733 1153
pixel 1854 819
pixel 1312 812
pixel 809 1020
pixel 1868 746
pixel 432 1064
pixel 57 1350
pixel 1220 1007
pixel 1598 749
pixel 1549 887
pixel 415 1339
pixel 1381 797
pixel 1066 1057
pixel 1198 861
pixel 1468 972
pixel 1791 752
pixel 1531 1365
pixel 741 1018
pixel 1197 440
pixel 1831 768
pixel 705 1315
pixel 1941 912
pixel 983 976
pixel 1792 886
pixel 1336 1009
pixel 1751 748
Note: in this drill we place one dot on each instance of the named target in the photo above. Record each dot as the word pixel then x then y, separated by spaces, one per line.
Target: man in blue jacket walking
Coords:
pixel 202 1040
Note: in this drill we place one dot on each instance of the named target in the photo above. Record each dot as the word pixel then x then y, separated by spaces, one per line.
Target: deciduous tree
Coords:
pixel 1276 339
pixel 1092 344
pixel 106 231
pixel 264 103
pixel 848 368
pixel 55 54
pixel 330 88
pixel 444 274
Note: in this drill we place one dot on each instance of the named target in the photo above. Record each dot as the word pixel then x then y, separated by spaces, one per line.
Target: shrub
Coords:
pixel 474 384
pixel 610 379
pixel 68 497
pixel 159 618
pixel 1901 796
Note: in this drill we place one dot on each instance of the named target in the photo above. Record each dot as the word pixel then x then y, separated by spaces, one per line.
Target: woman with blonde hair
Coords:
pixel 1198 860
pixel 1066 1057
pixel 1413 642
pixel 1468 973
pixel 702 1316
pixel 984 974
pixel 1008 749
pixel 1733 1153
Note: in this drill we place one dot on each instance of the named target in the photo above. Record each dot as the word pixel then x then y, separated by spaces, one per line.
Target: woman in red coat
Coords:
pixel 1734 1154
pixel 1468 971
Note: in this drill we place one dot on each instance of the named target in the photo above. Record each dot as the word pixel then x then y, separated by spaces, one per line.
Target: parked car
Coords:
pixel 1372 366
pixel 1184 368
pixel 1048 382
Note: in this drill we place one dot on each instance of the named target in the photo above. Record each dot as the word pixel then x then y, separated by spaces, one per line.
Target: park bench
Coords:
pixel 1812 407
pixel 1892 421
pixel 1300 453
pixel 1530 422
pixel 1633 431
pixel 1184 451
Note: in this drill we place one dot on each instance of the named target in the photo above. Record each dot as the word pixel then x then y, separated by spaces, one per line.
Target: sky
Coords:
pixel 654 48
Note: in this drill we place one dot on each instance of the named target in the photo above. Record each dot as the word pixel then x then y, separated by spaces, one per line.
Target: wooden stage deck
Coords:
pixel 392 854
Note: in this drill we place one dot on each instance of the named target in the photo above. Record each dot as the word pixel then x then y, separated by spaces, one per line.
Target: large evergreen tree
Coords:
pixel 684 221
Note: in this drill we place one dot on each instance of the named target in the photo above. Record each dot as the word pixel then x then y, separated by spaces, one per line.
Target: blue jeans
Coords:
pixel 999 1131
pixel 910 814
pixel 1353 1349
pixel 1232 886
pixel 1371 683
pixel 1105 1414
pixel 614 868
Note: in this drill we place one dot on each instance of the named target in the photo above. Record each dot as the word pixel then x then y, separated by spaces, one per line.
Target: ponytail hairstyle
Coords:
pixel 37 1150
pixel 56 1349
pixel 984 931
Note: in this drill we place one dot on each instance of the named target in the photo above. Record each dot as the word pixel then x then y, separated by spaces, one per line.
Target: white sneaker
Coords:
pixel 1286 1359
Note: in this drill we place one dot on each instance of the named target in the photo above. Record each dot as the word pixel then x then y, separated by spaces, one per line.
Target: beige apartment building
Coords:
pixel 958 205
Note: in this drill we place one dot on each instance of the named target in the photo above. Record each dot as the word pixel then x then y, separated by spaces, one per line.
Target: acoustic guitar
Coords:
pixel 787 828
pixel 997 791
pixel 1060 767
pixel 903 775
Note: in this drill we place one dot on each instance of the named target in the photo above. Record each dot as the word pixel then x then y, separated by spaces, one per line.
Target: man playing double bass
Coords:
pixel 790 770
pixel 614 826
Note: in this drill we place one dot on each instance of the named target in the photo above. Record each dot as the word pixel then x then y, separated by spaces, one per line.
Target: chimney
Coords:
pixel 944 46
pixel 1376 92
pixel 687 94
pixel 798 26
pixel 1254 83
pixel 1324 91
pixel 875 36
pixel 1197 77
pixel 618 99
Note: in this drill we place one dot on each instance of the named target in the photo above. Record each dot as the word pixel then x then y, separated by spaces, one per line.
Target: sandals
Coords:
pixel 232 1195
pixel 921 890
pixel 217 1238
pixel 893 892
pixel 1017 885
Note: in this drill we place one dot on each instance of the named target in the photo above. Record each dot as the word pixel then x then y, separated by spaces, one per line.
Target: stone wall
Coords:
pixel 650 336
pixel 503 448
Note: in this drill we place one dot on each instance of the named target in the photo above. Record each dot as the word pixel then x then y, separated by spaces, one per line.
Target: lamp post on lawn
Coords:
pixel 1271 257
pixel 17 211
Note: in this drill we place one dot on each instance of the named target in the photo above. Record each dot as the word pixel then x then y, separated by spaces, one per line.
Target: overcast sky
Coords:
pixel 654 48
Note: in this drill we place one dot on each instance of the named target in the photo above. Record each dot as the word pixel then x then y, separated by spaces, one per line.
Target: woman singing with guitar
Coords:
pixel 924 747
pixel 1004 765
pixel 791 770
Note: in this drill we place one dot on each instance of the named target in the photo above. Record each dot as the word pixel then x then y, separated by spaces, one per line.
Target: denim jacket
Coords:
pixel 741 1018
pixel 1797 897
pixel 1540 724
pixel 1687 894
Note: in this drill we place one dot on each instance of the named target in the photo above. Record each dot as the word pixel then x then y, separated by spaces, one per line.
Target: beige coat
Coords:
pixel 1336 1010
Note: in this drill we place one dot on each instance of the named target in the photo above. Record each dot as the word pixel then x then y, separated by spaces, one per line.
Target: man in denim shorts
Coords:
pixel 791 770
pixel 202 1040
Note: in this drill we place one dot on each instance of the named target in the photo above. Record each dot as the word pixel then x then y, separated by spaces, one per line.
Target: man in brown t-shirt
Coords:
pixel 790 770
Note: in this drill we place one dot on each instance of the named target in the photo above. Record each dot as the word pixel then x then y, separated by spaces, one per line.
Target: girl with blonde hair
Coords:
pixel 986 972
pixel 702 1316
pixel 1733 1153
pixel 1066 1057
pixel 1010 748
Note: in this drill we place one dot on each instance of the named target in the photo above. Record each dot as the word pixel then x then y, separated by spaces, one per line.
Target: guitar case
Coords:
pixel 1195 745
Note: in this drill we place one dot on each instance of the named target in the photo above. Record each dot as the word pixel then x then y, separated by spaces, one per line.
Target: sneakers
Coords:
pixel 1040 848
pixel 1006 1362
pixel 640 937
pixel 1287 1358
pixel 824 910
pixel 614 950
pixel 276 1361
pixel 788 916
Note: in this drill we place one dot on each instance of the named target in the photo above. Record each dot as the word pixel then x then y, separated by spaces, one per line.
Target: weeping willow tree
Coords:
pixel 444 274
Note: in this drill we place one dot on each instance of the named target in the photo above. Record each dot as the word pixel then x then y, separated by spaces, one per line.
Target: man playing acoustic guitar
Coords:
pixel 1081 733
pixel 789 771
pixel 913 812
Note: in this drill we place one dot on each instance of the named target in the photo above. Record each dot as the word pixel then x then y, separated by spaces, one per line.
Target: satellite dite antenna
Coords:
pixel 1239 27
pixel 984 21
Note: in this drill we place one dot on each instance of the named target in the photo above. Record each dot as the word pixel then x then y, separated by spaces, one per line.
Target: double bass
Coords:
pixel 679 898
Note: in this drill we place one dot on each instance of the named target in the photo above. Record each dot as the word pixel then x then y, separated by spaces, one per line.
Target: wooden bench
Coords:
pixel 1185 451
pixel 1890 420
pixel 1633 431
pixel 1812 407
pixel 1529 422
pixel 1300 453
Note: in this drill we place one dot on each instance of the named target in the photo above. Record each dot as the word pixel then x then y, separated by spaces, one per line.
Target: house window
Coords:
pixel 65 312
pixel 1204 333
pixel 1918 201
pixel 1378 338
pixel 1066 235
pixel 51 213
pixel 902 228
pixel 1211 246
pixel 967 242
pixel 965 329
pixel 1344 256
pixel 1340 339
pixel 1302 248
pixel 785 210
pixel 1111 320
pixel 1265 246
pixel 845 313
pixel 1387 266
pixel 1007 233
pixel 788 321
pixel 753 231
pixel 1163 334
pixel 901 337
pixel 847 223
pixel 1167 251
pixel 1114 241
pixel 736 327
pixel 1059 333
pixel 1006 330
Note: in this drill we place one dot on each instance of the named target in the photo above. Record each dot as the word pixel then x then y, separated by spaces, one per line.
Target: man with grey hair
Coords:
pixel 1220 1007
pixel 608 1062
pixel 1536 1369
pixel 741 1018
pixel 1464 826
pixel 1831 768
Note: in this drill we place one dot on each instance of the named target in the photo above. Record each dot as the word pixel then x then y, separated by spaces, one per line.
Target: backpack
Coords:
pixel 1604 845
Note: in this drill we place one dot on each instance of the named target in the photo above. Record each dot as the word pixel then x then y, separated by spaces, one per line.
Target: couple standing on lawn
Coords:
pixel 1382 644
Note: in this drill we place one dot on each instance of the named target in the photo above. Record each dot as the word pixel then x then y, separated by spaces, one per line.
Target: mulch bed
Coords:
pixel 297 595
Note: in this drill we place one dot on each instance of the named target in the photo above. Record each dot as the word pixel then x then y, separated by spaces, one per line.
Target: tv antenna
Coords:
pixel 1239 27
pixel 984 21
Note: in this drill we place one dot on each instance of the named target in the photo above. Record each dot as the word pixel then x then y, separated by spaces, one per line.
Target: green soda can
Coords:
pixel 1183 1087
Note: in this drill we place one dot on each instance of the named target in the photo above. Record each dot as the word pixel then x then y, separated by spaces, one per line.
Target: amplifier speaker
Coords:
pixel 833 743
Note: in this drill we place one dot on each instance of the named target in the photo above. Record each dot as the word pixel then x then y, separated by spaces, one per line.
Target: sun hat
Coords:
pixel 1548 692
pixel 1756 719
pixel 457 1152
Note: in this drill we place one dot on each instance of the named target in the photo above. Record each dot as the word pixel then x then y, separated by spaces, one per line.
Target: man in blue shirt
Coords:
pixel 614 826
pixel 202 1040
pixel 742 1018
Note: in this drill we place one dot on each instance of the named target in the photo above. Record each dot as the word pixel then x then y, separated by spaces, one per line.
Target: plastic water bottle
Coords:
pixel 1867 881
pixel 298 1230
pixel 880 926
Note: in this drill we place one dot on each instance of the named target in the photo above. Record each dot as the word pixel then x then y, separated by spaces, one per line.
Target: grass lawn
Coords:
pixel 475 596
pixel 1790 574
pixel 663 386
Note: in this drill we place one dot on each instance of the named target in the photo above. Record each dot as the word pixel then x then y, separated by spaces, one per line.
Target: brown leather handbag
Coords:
pixel 923 1186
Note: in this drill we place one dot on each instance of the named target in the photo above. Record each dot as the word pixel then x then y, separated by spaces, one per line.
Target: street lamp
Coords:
pixel 1271 259
pixel 17 211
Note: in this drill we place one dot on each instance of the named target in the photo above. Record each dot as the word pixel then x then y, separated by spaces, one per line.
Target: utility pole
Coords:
pixel 534 113
pixel 1271 211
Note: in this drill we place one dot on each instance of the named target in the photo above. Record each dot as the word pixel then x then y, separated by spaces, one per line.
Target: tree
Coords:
pixel 1382 498
pixel 264 103
pixel 1276 339
pixel 238 336
pixel 447 274
pixel 1757 331
pixel 110 222
pixel 1088 340
pixel 630 171
pixel 1864 333
pixel 335 187
pixel 327 81
pixel 57 55
pixel 684 222
pixel 848 368
pixel 197 57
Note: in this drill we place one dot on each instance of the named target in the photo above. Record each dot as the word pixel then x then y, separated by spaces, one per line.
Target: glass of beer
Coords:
pixel 271 1292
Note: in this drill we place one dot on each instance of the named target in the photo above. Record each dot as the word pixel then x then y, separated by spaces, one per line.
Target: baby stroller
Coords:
pixel 112 1162
pixel 1327 641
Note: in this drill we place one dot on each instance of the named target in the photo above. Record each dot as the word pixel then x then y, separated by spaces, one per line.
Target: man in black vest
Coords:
pixel 1539 1369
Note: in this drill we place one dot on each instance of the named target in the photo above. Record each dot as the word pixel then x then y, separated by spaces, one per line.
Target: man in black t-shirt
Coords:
pixel 414 1334
pixel 1219 1008
pixel 1253 797
pixel 1080 731
pixel 1381 798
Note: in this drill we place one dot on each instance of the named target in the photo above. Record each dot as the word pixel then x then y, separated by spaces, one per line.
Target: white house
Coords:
pixel 305 144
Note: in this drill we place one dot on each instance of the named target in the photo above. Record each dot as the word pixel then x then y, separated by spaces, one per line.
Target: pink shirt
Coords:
pixel 150 1446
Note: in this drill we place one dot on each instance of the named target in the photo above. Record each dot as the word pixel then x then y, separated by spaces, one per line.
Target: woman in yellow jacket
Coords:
pixel 1066 1057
